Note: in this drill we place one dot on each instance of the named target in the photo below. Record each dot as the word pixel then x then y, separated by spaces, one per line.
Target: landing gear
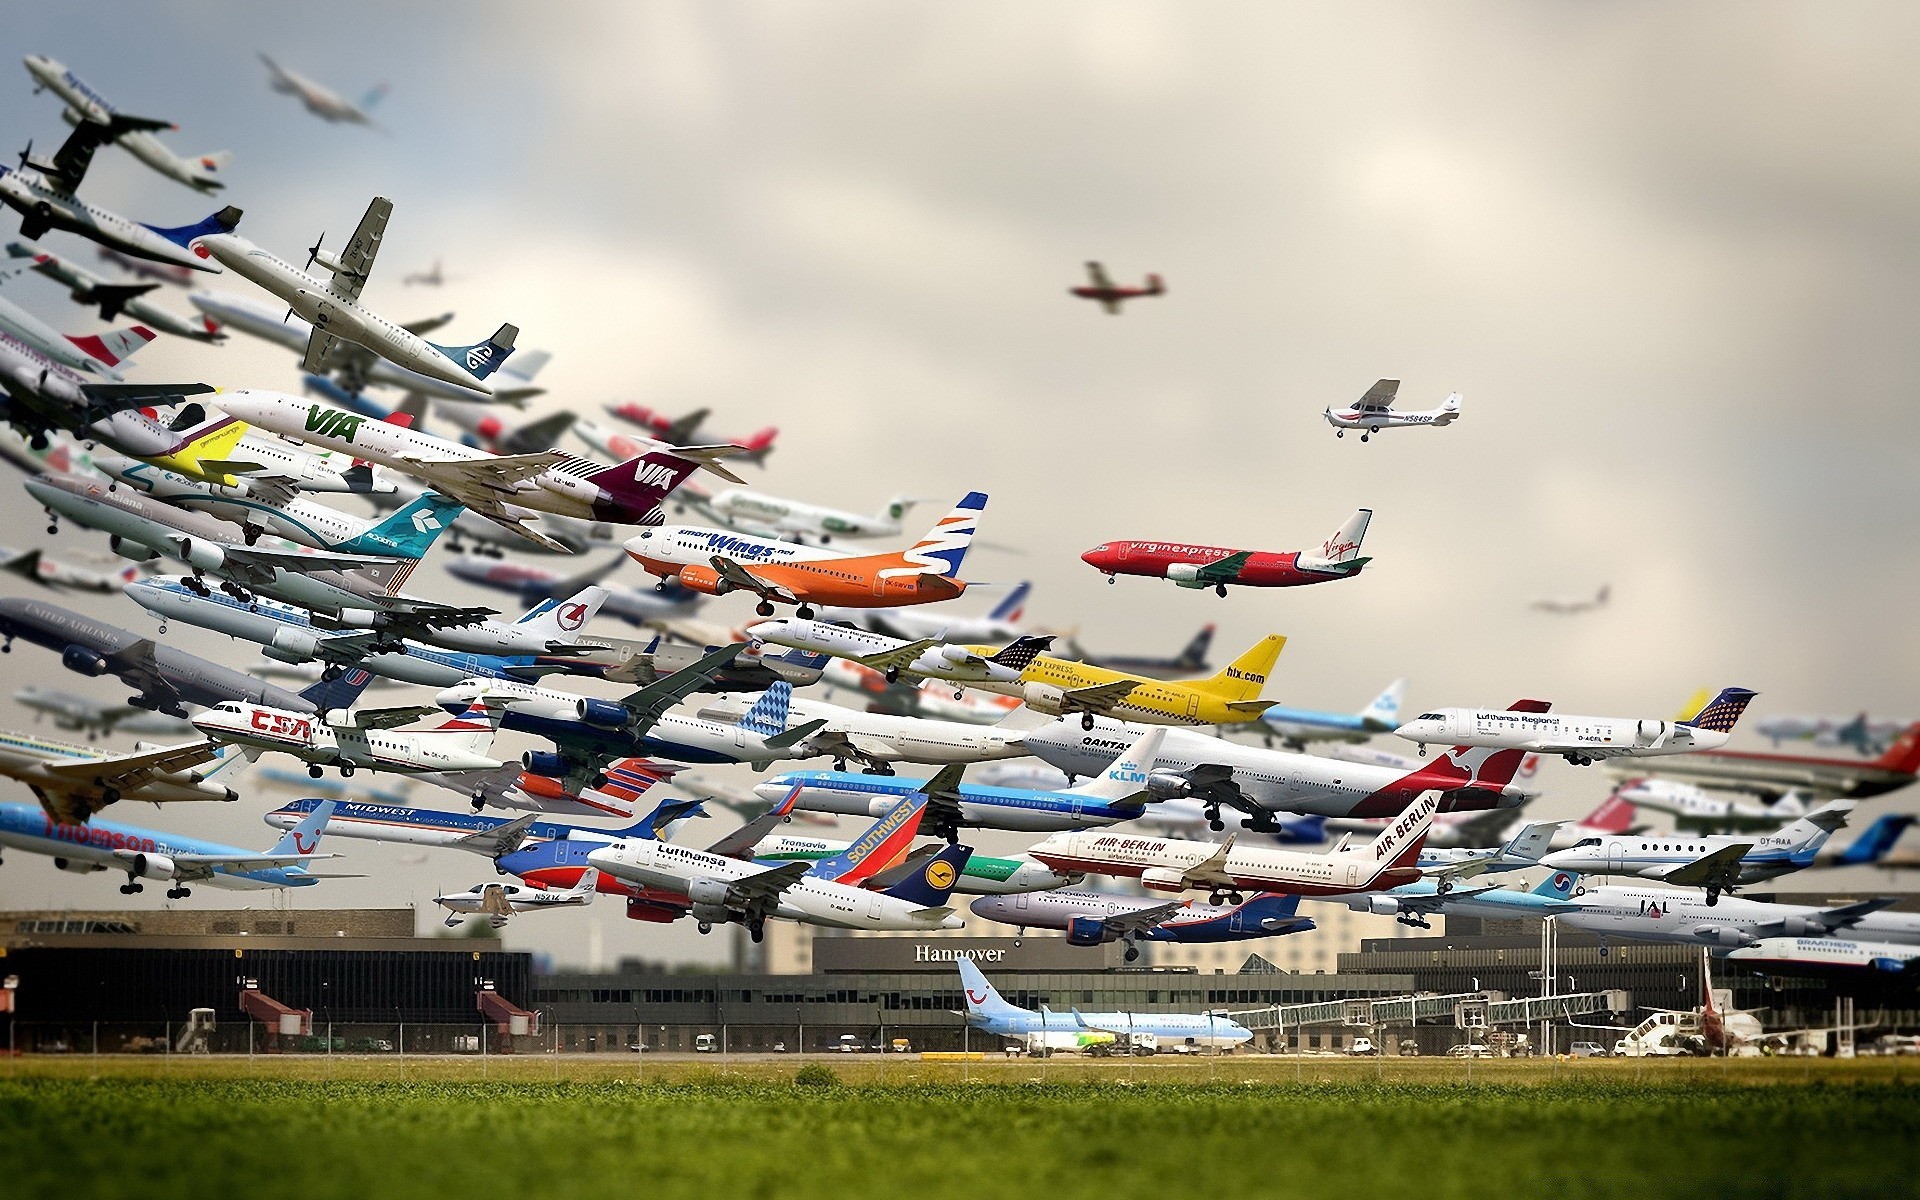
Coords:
pixel 804 613
pixel 1423 749
pixel 346 770
pixel 1086 721
pixel 1339 433
pixel 705 927
pixel 251 533
pixel 1133 952
pixel 314 770
pixel 1220 590
pixel 892 674
pixel 1713 896
pixel 332 671
pixel 110 795
pixel 1363 437
pixel 178 893
pixel 131 886
pixel 1111 580
pixel 757 931
pixel 1579 760
pixel 763 608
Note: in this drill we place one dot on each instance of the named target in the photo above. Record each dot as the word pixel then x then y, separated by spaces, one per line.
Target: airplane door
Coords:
pixel 1616 856
pixel 1236 921
pixel 873 906
pixel 1353 876
pixel 1193 706
pixel 1020 901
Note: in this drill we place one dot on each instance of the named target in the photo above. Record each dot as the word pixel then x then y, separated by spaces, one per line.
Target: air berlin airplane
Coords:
pixel 1217 566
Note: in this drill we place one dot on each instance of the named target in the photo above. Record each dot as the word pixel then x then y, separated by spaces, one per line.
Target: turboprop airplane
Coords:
pixel 1095 918
pixel 1568 605
pixel 1111 295
pixel 690 427
pixel 715 562
pixel 83 714
pixel 499 902
pixel 1375 412
pixel 1300 727
pixel 200 171
pixel 110 298
pixel 1775 775
pixel 1579 740
pixel 878 740
pixel 74 782
pixel 363 738
pixel 1696 808
pixel 322 102
pixel 1191 566
pixel 334 309
pixel 1042 1033
pixel 1717 862
pixel 150 854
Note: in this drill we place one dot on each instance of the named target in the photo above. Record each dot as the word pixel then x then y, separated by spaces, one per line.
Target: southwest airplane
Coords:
pixel 498 902
pixel 322 102
pixel 1095 918
pixel 1579 740
pixel 112 299
pixel 1041 1033
pixel 150 854
pixel 1375 412
pixel 1775 775
pixel 1191 566
pixel 1718 862
pixel 334 309
pixel 716 562
pixel 84 104
pixel 1299 727
pixel 1111 295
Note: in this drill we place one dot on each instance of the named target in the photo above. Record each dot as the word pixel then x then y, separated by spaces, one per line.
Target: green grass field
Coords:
pixel 918 1131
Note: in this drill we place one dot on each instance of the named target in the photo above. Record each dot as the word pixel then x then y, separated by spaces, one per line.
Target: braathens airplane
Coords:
pixel 322 102
pixel 498 902
pixel 1375 412
pixel 199 171
pixel 1580 740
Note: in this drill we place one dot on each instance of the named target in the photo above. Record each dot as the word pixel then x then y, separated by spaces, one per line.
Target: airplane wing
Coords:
pixel 1381 394
pixel 356 259
pixel 766 887
pixel 1436 902
pixel 75 155
pixel 320 347
pixel 1254 707
pixel 1097 275
pixel 391 718
pixel 1718 869
pixel 1843 916
pixel 60 791
pixel 493 901
pixel 897 659
pixel 1145 918
pixel 486 480
pixel 943 817
pixel 1597 753
pixel 683 429
pixel 1223 570
pixel 260 564
pixel 501 839
pixel 137 667
pixel 740 577
pixel 1098 698
pixel 740 843
pixel 1212 871
pixel 346 648
pixel 422 619
pixel 650 703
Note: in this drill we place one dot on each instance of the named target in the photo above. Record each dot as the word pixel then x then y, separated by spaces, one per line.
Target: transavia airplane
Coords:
pixel 1813 956
pixel 322 102
pixel 1093 918
pixel 1191 566
pixel 881 739
pixel 200 171
pixel 1645 914
pixel 150 854
pixel 366 738
pixel 1580 740
pixel 1111 295
pixel 1412 903
pixel 1043 1032
pixel 498 902
pixel 690 428
pixel 1300 727
pixel 1375 412
pixel 74 782
pixel 1718 862
pixel 1228 871
pixel 1776 775
pixel 716 562
pixel 112 299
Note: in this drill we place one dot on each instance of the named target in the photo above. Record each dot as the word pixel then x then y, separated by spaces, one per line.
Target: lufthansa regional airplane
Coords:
pixel 1580 740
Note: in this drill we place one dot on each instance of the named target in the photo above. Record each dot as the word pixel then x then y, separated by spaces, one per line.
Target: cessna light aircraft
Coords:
pixel 1111 295
pixel 1095 918
pixel 329 106
pixel 366 737
pixel 112 299
pixel 1579 740
pixel 1190 566
pixel 199 171
pixel 1041 1033
pixel 1375 412
pixel 1717 862
pixel 74 782
pixel 1778 774
pixel 498 902
pixel 150 854
pixel 1567 605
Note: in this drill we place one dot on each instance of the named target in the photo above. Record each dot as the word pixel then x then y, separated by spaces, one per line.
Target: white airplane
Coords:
pixel 1567 605
pixel 199 171
pixel 322 102
pixel 1580 740
pixel 428 278
pixel 1799 956
pixel 1227 870
pixel 74 782
pixel 334 309
pixel 549 627
pixel 1868 735
pixel 84 714
pixel 1375 412
pixel 1717 862
pixel 1647 914
pixel 1697 806
pixel 881 739
pixel 112 299
pixel 776 516
pixel 498 902
pixel 365 738
pixel 47 572
pixel 100 354
pixel 571 534
pixel 1001 623
pixel 895 658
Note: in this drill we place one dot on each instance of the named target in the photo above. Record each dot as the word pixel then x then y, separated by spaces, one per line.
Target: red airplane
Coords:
pixel 1109 294
pixel 1217 566
pixel 675 431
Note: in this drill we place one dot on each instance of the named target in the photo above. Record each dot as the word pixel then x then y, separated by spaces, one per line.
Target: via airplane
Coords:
pixel 1191 566
pixel 1042 1033
pixel 499 902
pixel 150 854
pixel 1717 862
pixel 1095 918
pixel 328 105
pixel 1111 295
pixel 1375 412
pixel 112 299
pixel 200 171
pixel 1580 740
pixel 1299 727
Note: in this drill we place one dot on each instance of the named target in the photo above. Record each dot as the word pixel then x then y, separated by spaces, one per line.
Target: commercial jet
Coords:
pixel 879 740
pixel 1698 809
pixel 1580 740
pixel 533 583
pixel 1300 727
pixel 36 567
pixel 217 449
pixel 97 354
pixel 1820 955
pixel 1042 1033
pixel 1216 567
pixel 1677 916
pixel 1002 622
pixel 1569 605
pixel 74 782
pixel 1095 918
pixel 200 171
pixel 499 902
pixel 1717 862
pixel 490 837
pixel 150 854
pixel 1375 412
pixel 766 515
pixel 322 102
pixel 1191 660
pixel 1111 295
pixel 360 739
pixel 1775 775
pixel 691 428
pixel 83 714
pixel 1412 903
pixel 1862 733
pixel 111 299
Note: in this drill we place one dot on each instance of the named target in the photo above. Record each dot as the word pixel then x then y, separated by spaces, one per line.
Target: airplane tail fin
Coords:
pixel 589 881
pixel 472 732
pixel 1722 711
pixel 304 838
pixel 930 886
pixel 883 844
pixel 666 816
pixel 1805 836
pixel 213 163
pixel 1385 708
pixel 342 692
pixel 768 716
pixel 112 299
pixel 1449 408
pixel 643 483
pixel 410 530
pixel 983 999
pixel 1399 844
pixel 560 620
pixel 1534 839
pixel 1558 886
pixel 1903 756
pixel 1156 286
pixel 483 358
pixel 224 221
pixel 1013 603
pixel 528 364
pixel 1246 675
pixel 1021 651
pixel 1343 548
pixel 1126 778
pixel 112 347
pixel 1194 657
pixel 759 444
pixel 1614 815
pixel 896 508
pixel 945 547
pixel 1878 838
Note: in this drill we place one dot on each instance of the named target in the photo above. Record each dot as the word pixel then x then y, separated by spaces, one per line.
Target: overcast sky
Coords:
pixel 1666 251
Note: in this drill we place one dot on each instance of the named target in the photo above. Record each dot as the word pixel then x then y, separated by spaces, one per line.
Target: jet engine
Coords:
pixel 956 654
pixel 1383 906
pixel 544 762
pixel 291 646
pixel 1163 879
pixel 77 866
pixel 1043 698
pixel 1183 572
pixel 709 894
pixel 1804 927
pixel 1086 931
pixel 83 660
pixel 604 714
pixel 149 866
pixel 128 548
pixel 705 580
pixel 711 914
pixel 1168 785
pixel 1719 935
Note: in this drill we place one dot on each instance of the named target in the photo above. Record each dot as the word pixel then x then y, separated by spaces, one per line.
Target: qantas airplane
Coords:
pixel 1191 566
pixel 1111 295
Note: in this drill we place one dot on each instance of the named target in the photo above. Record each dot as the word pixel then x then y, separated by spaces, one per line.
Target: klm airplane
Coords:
pixel 1041 1033
pixel 150 854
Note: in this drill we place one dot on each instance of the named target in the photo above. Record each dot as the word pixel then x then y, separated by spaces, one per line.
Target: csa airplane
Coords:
pixel 1191 566
pixel 1111 295
pixel 1579 740
pixel 200 171
pixel 1776 775
pixel 1041 1033
pixel 1717 862
pixel 498 902
pixel 328 105
pixel 112 299
pixel 1375 412
pixel 150 854
pixel 1095 918
pixel 366 738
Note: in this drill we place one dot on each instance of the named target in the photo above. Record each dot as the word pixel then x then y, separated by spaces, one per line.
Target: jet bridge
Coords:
pixel 278 1019
pixel 509 1019
pixel 1461 1008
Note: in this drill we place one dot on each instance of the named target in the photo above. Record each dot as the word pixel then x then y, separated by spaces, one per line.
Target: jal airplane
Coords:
pixel 1191 566
pixel 200 171
pixel 1717 862
pixel 328 105
pixel 1579 740
pixel 1111 295
pixel 112 299
pixel 716 562
pixel 364 738
pixel 150 854
pixel 1375 412
pixel 499 902
pixel 1095 918
pixel 1648 914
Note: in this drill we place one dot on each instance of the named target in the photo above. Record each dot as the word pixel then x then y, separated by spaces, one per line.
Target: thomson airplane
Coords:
pixel 150 854
pixel 1094 918
pixel 200 171
pixel 1579 740
pixel 1043 1032
pixel 1717 862
pixel 1216 567
pixel 322 102
pixel 1375 412
pixel 112 299
pixel 493 837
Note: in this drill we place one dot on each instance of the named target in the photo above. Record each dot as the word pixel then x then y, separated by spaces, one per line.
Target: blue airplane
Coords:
pixel 1044 1032
pixel 149 854
pixel 1413 903
pixel 1296 727
pixel 495 837
pixel 1873 843
pixel 1094 918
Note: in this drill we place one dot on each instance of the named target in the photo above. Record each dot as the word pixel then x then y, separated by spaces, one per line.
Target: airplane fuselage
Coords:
pixel 1183 563
pixel 30 195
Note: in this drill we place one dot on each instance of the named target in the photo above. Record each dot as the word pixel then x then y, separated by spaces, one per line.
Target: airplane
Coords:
pixel 1191 566
pixel 878 740
pixel 894 658
pixel 1775 775
pixel 620 783
pixel 754 670
pixel 499 488
pixel 982 876
pixel 1119 794
pixel 999 623
pixel 716 562
pixel 40 397
pixel 491 540
pixel 1874 845
pixel 1042 1033
pixel 34 565
pixel 83 714
pixel 765 515
pixel 353 739
pixel 322 102
pixel 1818 955
pixel 928 698
pixel 1613 816
pixel 1228 870
pixel 1412 903
pixel 1696 808
pixel 112 299
pixel 1568 605
pixel 74 782
pixel 165 679
pixel 1300 727
pixel 1186 816
pixel 492 837
pixel 428 278
pixel 486 428
pixel 1375 412
pixel 498 902
pixel 1677 916
pixel 42 191
pixel 214 448
pixel 1260 782
pixel 334 309
pixel 150 854
pixel 1868 736
pixel 351 368
pixel 1111 295
pixel 532 582
pixel 199 171
pixel 1095 918
pixel 688 428
pixel 1191 660
pixel 99 354
pixel 1717 862
pixel 145 268
pixel 1580 740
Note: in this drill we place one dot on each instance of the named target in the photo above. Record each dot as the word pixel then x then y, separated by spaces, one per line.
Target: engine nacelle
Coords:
pixel 708 893
pixel 1383 906
pixel 77 866
pixel 149 866
pixel 1183 572
pixel 711 914
pixel 1163 879
pixel 1720 935
pixel 602 714
pixel 1804 927
pixel 955 654
pixel 704 580
pixel 1168 785
pixel 648 910
pixel 1086 931
pixel 83 660
pixel 128 548
pixel 291 645
pixel 201 553
pixel 1043 698
pixel 544 762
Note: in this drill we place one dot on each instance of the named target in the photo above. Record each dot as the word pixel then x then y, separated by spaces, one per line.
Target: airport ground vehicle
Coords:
pixel 1587 1050
pixel 1363 1045
pixel 705 1043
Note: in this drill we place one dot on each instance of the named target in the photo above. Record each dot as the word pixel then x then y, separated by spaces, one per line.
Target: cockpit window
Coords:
pixel 1586 842
pixel 1428 717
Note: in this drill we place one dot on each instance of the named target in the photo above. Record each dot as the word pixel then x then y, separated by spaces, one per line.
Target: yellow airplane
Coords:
pixel 215 448
pixel 1058 686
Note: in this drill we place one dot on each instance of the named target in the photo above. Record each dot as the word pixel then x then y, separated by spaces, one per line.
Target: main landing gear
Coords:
pixel 1086 721
pixel 1220 590
pixel 1220 898
pixel 178 893
pixel 1133 951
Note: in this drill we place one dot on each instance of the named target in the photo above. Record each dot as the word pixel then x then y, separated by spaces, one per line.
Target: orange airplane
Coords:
pixel 718 561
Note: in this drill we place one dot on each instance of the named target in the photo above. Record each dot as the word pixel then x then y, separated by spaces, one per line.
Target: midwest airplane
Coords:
pixel 322 102
pixel 362 738
pixel 1579 740
pixel 112 299
pixel 1044 1032
pixel 1568 605
pixel 1112 295
pixel 199 171
pixel 881 739
pixel 716 562
pixel 1228 870
pixel 1776 775
pixel 690 428
pixel 74 782
pixel 150 854
pixel 1717 862
pixel 499 902
pixel 1375 412
pixel 1300 727
pixel 1191 566
pixel 83 714
pixel 1095 918
pixel 492 837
